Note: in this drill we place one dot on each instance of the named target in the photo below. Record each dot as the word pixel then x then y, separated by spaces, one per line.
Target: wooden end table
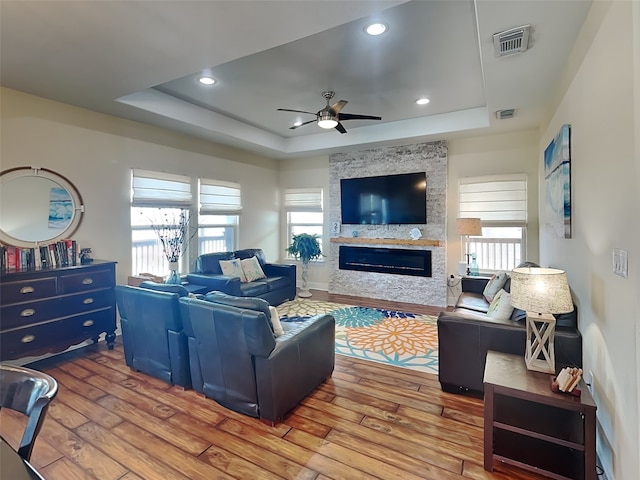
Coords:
pixel 528 425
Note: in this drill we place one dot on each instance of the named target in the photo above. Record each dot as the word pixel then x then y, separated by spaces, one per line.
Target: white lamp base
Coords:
pixel 540 354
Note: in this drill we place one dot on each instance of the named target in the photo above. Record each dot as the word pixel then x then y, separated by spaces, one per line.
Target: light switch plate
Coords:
pixel 620 262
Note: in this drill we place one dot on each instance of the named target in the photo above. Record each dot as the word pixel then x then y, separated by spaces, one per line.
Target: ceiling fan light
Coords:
pixel 328 123
pixel 327 120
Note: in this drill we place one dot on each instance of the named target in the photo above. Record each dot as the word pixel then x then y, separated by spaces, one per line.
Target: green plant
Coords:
pixel 305 247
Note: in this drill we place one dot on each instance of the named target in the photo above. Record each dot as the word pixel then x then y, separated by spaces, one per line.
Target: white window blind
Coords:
pixel 219 198
pixel 303 199
pixel 159 189
pixel 499 199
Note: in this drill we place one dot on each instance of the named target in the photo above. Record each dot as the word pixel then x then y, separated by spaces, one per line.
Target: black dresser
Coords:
pixel 48 310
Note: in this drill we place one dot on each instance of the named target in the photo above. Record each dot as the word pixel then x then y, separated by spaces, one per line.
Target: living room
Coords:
pixel 598 94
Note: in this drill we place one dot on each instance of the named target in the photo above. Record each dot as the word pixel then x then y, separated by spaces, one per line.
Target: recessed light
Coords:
pixel 422 101
pixel 376 28
pixel 297 124
pixel 207 80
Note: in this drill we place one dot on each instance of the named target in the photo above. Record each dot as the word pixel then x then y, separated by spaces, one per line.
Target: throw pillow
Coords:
pixel 275 321
pixel 500 307
pixel 494 285
pixel 252 270
pixel 233 268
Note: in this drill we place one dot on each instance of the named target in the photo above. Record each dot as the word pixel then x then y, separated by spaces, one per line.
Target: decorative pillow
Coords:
pixel 275 321
pixel 252 270
pixel 500 307
pixel 233 268
pixel 494 285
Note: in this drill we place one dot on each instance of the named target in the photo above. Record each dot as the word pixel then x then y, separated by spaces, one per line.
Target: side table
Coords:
pixel 528 425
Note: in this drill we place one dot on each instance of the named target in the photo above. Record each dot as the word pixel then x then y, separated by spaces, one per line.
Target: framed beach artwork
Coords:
pixel 60 208
pixel 557 182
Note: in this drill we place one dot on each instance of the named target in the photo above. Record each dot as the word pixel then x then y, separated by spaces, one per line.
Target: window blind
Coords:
pixel 219 198
pixel 303 199
pixel 159 189
pixel 497 199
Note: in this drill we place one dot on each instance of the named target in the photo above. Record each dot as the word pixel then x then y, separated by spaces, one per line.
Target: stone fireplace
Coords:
pixel 372 279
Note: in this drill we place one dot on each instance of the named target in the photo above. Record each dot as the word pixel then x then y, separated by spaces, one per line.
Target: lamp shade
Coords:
pixel 540 290
pixel 468 226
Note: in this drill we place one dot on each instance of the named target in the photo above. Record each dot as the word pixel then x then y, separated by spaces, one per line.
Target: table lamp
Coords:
pixel 540 292
pixel 467 227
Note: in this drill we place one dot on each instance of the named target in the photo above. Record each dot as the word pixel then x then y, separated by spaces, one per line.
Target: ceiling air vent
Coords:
pixel 506 114
pixel 511 41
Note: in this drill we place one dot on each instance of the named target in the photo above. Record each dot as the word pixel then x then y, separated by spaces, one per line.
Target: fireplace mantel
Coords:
pixel 422 242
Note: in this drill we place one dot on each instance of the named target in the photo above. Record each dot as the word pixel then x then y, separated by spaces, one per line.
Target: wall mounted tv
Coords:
pixel 384 200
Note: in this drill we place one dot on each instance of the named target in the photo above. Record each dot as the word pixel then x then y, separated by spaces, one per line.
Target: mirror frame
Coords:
pixel 78 205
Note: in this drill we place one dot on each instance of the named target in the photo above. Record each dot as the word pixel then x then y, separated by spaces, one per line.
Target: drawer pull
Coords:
pixel 27 312
pixel 28 338
pixel 87 323
pixel 27 290
pixel 87 281
pixel 87 301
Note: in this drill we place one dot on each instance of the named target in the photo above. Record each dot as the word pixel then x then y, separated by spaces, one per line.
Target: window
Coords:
pixel 155 196
pixel 303 207
pixel 500 201
pixel 219 216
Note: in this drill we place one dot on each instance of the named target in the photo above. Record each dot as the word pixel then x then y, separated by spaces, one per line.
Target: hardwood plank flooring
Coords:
pixel 369 421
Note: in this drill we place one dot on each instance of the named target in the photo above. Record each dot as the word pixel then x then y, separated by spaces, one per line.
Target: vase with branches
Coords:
pixel 305 247
pixel 172 229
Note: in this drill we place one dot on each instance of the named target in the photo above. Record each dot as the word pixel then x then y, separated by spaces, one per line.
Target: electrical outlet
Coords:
pixel 620 262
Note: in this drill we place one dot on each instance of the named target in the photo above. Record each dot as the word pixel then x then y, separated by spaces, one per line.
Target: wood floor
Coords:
pixel 369 421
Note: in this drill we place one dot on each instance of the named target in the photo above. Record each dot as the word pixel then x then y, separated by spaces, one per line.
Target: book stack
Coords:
pixel 59 254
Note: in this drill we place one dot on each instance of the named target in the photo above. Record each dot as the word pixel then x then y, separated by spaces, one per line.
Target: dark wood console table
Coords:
pixel 47 310
pixel 528 425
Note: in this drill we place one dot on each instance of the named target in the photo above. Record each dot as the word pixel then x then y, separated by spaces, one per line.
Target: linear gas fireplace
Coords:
pixel 386 260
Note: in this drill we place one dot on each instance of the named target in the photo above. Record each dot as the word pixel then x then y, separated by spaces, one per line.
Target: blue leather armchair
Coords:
pixel 278 287
pixel 152 333
pixel 237 361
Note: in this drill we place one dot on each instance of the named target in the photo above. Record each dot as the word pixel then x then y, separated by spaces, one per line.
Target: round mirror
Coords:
pixel 37 206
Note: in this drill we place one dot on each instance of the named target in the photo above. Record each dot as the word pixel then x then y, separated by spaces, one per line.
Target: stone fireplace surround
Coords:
pixel 428 157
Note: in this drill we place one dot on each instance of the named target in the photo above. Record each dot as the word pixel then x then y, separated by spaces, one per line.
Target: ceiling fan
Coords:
pixel 330 116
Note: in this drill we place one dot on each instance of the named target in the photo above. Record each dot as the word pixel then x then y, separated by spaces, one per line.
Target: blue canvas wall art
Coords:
pixel 557 180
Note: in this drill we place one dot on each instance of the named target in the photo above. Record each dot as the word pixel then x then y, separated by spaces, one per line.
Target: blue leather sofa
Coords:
pixel 236 359
pixel 278 287
pixel 152 332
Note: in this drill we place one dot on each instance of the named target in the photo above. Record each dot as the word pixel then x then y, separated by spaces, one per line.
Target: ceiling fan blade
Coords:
pixel 340 128
pixel 353 116
pixel 305 123
pixel 338 106
pixel 296 111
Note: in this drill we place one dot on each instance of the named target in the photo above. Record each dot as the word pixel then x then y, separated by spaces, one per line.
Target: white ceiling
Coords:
pixel 140 60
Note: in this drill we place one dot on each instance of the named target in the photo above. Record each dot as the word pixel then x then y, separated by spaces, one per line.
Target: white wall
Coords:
pixel 96 153
pixel 599 104
pixel 492 155
pixel 310 172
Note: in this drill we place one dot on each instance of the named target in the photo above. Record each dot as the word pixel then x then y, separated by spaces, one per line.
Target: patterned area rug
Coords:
pixel 397 338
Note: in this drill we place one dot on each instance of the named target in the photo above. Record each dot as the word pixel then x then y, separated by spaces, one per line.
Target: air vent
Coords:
pixel 506 114
pixel 509 42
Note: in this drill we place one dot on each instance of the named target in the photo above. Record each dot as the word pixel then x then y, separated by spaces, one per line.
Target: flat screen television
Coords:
pixel 385 200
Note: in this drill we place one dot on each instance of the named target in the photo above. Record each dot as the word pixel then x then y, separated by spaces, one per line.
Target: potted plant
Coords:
pixel 172 230
pixel 305 247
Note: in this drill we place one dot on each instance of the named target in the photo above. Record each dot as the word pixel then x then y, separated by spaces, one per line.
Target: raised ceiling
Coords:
pixel 141 59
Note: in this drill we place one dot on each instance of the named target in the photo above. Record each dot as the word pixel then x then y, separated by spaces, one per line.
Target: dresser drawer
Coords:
pixel 38 311
pixel 23 291
pixel 56 335
pixel 88 280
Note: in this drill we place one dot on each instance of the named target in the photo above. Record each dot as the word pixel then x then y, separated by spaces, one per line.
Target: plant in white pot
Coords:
pixel 305 247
